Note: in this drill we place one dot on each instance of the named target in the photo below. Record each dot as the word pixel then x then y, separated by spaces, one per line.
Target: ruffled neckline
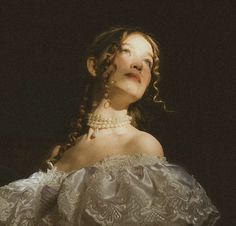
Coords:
pixel 120 161
pixel 123 160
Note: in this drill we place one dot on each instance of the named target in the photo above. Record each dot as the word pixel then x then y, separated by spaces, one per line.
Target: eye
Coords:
pixel 125 50
pixel 148 62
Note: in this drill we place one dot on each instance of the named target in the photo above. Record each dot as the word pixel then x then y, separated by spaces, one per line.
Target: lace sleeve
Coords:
pixel 23 201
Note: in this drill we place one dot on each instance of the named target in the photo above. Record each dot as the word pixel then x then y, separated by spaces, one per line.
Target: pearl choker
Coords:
pixel 96 122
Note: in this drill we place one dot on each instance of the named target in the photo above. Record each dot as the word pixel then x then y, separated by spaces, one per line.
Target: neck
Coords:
pixel 110 110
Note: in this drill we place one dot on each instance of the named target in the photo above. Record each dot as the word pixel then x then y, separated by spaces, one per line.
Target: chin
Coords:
pixel 134 97
pixel 130 92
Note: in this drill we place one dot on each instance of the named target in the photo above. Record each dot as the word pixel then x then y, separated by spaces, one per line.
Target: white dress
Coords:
pixel 120 190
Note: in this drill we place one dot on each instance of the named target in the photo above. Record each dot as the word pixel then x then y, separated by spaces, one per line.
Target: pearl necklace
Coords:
pixel 96 122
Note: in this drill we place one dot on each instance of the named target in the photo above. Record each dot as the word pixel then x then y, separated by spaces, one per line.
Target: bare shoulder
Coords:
pixel 146 143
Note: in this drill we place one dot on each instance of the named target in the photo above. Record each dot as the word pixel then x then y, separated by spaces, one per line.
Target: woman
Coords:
pixel 109 172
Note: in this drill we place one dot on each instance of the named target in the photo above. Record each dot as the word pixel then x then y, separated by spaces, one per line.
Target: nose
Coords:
pixel 137 65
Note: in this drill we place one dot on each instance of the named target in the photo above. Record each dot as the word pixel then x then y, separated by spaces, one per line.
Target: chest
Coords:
pixel 101 145
pixel 87 152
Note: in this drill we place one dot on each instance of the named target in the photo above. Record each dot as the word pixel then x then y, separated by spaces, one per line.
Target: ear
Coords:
pixel 91 64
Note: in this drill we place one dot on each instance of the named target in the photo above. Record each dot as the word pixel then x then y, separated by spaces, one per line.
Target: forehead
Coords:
pixel 138 42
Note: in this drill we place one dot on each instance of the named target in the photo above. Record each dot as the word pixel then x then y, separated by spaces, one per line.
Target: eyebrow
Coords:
pixel 148 53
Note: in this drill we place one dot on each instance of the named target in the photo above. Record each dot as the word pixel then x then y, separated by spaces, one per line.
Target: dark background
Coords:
pixel 41 47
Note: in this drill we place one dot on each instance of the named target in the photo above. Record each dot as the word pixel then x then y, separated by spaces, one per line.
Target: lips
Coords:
pixel 134 76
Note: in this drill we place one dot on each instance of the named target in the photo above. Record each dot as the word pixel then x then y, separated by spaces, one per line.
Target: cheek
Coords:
pixel 147 79
pixel 122 62
pixel 116 67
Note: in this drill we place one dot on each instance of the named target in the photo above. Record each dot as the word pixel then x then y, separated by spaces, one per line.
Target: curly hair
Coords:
pixel 103 49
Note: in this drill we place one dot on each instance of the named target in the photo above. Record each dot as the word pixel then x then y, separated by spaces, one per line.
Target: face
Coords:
pixel 131 69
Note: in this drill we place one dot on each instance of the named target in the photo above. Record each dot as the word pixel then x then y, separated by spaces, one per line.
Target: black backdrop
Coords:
pixel 42 44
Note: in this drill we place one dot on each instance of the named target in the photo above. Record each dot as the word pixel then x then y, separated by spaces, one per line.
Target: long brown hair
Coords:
pixel 103 49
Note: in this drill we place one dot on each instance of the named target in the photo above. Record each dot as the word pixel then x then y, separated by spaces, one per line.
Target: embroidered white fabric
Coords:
pixel 120 190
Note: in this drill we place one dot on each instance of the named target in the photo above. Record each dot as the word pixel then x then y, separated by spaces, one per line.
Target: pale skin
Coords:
pixel 135 57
